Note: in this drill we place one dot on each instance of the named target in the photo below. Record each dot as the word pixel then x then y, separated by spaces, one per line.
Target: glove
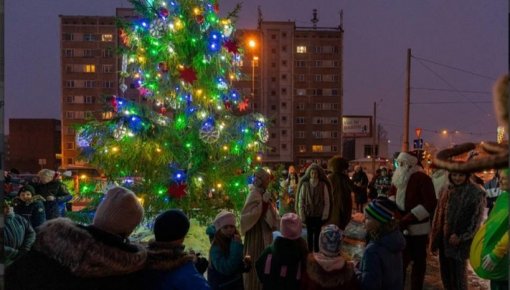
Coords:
pixel 266 197
pixel 487 263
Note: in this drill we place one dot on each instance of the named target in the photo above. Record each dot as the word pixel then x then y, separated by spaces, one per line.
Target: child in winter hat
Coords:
pixel 291 226
pixel 119 213
pixel 172 225
pixel 224 218
pixel 330 240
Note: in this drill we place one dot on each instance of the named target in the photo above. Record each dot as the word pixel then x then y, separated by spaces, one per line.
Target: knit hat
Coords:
pixel 381 209
pixel 330 240
pixel 27 188
pixel 224 218
pixel 290 226
pixel 410 158
pixel 338 164
pixel 172 225
pixel 119 212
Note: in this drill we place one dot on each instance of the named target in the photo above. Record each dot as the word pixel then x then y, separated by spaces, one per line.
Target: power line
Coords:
pixel 450 90
pixel 455 68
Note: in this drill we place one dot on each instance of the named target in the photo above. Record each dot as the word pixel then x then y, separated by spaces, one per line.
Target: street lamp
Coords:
pixel 253 61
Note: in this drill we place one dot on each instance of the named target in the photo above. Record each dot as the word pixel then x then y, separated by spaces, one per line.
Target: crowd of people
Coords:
pixel 289 240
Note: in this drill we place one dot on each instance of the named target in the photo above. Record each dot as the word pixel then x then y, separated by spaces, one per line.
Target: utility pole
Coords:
pixel 407 100
pixel 374 134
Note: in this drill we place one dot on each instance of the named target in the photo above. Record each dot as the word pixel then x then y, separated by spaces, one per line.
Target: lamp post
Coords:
pixel 253 62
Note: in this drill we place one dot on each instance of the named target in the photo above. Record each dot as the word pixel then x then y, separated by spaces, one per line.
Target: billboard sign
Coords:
pixel 357 126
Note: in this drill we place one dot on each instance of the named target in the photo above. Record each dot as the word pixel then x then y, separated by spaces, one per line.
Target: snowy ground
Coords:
pixel 353 247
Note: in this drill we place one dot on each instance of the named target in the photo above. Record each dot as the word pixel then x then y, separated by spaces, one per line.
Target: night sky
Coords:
pixel 460 47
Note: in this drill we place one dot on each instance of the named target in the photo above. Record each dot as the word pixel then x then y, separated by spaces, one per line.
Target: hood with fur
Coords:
pixel 328 279
pixel 166 257
pixel 87 251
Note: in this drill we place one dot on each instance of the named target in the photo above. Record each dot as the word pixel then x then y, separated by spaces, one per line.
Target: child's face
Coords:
pixel 25 195
pixel 371 224
pixel 458 178
pixel 228 230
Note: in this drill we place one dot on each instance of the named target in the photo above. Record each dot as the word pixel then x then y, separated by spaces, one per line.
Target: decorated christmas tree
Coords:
pixel 191 142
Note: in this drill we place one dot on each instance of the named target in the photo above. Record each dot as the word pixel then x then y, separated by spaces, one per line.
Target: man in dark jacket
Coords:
pixel 18 235
pixel 54 192
pixel 99 256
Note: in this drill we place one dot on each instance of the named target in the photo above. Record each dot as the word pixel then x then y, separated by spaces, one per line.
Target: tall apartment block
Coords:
pixel 89 72
pixel 295 77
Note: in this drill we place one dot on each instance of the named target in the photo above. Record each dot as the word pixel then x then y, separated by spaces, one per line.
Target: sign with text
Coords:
pixel 357 126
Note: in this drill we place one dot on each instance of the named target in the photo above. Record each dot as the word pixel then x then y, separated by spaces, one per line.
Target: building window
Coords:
pixel 69 84
pixel 89 68
pixel 301 49
pixel 284 132
pixel 318 49
pixel 70 145
pixel 273 107
pixel 273 36
pixel 284 105
pixel 334 134
pixel 334 92
pixel 88 53
pixel 88 84
pixel 273 93
pixel 318 63
pixel 301 78
pixel 300 106
pixel 108 52
pixel 317 148
pixel 68 52
pixel 318 78
pixel 284 49
pixel 70 161
pixel 302 148
pixel 107 37
pixel 284 118
pixel 284 77
pixel 318 106
pixel 108 84
pixel 334 120
pixel 107 68
pixel 89 99
pixel 334 106
pixel 300 120
pixel 300 92
pixel 301 134
pixel 284 34
pixel 69 130
pixel 300 63
pixel 89 37
pixel 273 135
pixel 69 115
pixel 284 146
pixel 367 150
pixel 68 36
pixel 273 79
pixel 334 148
pixel 318 120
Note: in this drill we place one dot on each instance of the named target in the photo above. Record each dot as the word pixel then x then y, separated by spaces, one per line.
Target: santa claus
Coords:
pixel 416 199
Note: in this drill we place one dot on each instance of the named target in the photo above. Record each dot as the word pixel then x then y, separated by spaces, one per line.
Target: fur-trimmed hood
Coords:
pixel 329 279
pixel 87 251
pixel 166 257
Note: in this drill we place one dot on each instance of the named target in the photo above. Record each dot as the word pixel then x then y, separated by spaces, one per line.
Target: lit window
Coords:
pixel 317 148
pixel 106 37
pixel 90 68
pixel 301 49
pixel 302 148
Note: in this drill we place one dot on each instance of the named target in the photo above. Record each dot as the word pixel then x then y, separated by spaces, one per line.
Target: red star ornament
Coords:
pixel 243 105
pixel 231 46
pixel 177 190
pixel 188 74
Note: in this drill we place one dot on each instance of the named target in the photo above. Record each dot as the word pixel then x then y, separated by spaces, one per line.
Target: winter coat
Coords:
pixel 18 237
pixel 226 271
pixel 54 208
pixel 382 266
pixel 170 268
pixel 70 256
pixel 281 265
pixel 459 212
pixel 341 204
pixel 360 181
pixel 334 278
pixel 32 210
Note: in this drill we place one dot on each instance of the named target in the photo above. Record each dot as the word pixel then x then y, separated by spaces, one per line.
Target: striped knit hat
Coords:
pixel 381 209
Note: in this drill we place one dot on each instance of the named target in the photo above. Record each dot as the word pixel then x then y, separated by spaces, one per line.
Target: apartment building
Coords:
pixel 295 76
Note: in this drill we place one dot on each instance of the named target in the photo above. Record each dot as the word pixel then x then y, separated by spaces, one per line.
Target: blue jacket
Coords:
pixel 18 237
pixel 226 272
pixel 382 265
pixel 169 268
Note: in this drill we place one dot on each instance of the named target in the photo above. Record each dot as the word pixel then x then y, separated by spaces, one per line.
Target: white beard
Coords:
pixel 400 179
pixel 440 180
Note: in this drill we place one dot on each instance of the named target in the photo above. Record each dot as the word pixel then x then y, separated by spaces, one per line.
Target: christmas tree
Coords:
pixel 192 142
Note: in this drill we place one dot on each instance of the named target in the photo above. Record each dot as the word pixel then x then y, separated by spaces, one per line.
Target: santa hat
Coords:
pixel 410 158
